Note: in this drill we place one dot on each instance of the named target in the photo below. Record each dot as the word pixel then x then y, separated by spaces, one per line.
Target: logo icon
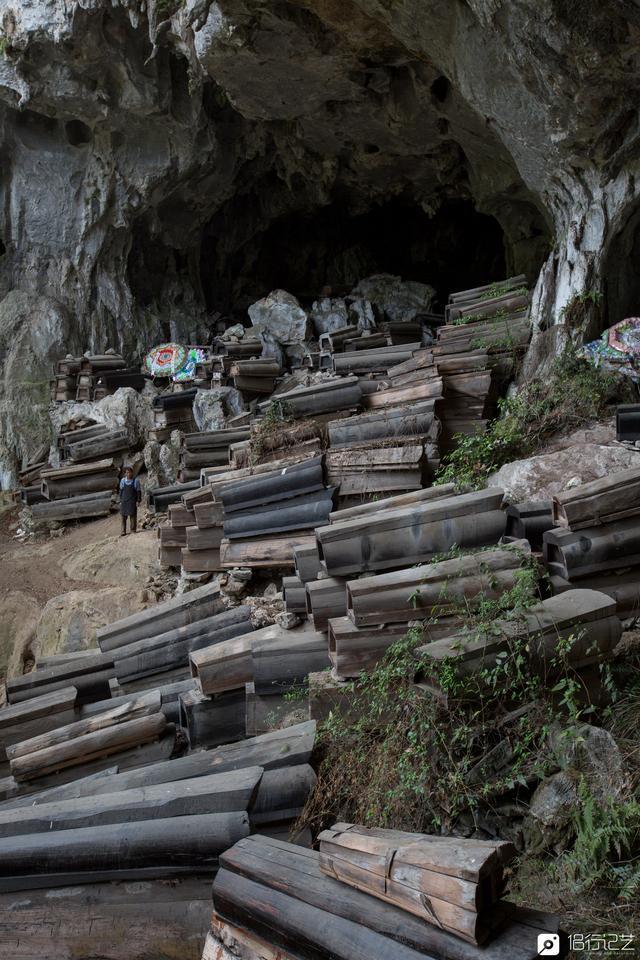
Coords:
pixel 549 945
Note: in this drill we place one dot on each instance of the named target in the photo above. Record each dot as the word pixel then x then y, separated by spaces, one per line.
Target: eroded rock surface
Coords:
pixel 167 162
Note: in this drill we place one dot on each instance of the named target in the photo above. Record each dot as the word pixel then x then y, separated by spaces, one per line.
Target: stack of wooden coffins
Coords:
pixel 245 683
pixel 255 377
pixel 399 535
pixel 155 643
pixel 172 411
pixel 596 541
pixel 371 894
pixel 164 823
pixel 391 450
pixel 267 514
pixel 158 818
pixel 207 449
pixel 77 491
pixel 194 534
pixel 337 394
pixel 65 381
pixel 160 498
pixel 91 368
pixel 379 608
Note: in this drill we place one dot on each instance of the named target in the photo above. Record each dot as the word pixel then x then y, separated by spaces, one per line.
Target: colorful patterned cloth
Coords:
pixel 617 350
pixel 166 359
pixel 188 370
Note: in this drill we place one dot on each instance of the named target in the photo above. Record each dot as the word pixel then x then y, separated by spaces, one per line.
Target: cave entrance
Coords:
pixel 454 249
pixel 621 274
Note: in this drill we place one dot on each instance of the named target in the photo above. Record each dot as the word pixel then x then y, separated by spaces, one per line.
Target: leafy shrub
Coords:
pixel 574 394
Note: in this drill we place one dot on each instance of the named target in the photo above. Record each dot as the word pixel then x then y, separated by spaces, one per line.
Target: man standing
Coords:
pixel 130 497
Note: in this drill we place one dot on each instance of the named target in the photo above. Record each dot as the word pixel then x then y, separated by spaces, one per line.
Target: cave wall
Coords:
pixel 151 152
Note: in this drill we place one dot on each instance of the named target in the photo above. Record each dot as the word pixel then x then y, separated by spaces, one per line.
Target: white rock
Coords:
pixel 543 476
pixel 328 314
pixel 212 407
pixel 281 315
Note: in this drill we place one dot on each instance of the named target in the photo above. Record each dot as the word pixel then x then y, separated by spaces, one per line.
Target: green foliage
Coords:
pixel 501 290
pixel 4 43
pixel 573 394
pixel 277 413
pixel 576 312
pixel 403 753
pixel 500 314
pixel 606 835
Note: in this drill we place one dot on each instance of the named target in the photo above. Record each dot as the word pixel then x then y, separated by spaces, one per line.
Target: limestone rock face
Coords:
pixel 280 315
pixel 589 758
pixel 34 332
pixel 164 163
pixel 329 314
pixel 212 407
pixel 19 615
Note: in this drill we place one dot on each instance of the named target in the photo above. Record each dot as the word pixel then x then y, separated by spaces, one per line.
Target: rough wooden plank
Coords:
pixel 236 790
pixel 88 747
pixel 149 847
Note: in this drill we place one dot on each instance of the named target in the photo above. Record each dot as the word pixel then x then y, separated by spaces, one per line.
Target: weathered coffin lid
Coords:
pixel 37 707
pixel 431 511
pixel 78 469
pixel 469 564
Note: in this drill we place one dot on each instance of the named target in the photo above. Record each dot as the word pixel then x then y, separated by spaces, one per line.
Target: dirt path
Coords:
pixel 54 593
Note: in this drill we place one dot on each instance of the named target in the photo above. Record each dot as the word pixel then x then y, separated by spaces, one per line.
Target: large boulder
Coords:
pixel 34 333
pixel 126 409
pixel 397 299
pixel 591 764
pixel 69 622
pixel 543 476
pixel 329 314
pixel 19 615
pixel 280 314
pixel 211 408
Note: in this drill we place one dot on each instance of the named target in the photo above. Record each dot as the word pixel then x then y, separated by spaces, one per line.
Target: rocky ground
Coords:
pixel 54 593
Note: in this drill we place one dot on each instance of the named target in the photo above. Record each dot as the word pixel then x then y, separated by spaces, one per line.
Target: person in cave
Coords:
pixel 130 497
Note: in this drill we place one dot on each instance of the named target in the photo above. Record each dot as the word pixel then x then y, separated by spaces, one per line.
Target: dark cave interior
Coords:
pixel 304 252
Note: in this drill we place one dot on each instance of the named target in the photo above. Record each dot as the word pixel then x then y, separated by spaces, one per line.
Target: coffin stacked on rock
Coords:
pixel 384 452
pixel 154 644
pixel 255 377
pixel 379 608
pixel 271 897
pixel 340 394
pixel 596 543
pixel 396 536
pixel 579 628
pixel 268 514
pixel 108 381
pixel 65 381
